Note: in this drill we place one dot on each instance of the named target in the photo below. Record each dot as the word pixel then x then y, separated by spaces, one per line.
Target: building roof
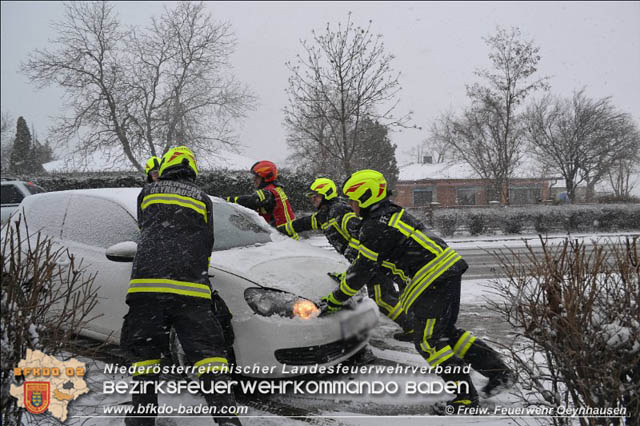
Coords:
pixel 461 170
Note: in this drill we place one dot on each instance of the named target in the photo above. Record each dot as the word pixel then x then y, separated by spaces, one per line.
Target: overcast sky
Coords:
pixel 437 47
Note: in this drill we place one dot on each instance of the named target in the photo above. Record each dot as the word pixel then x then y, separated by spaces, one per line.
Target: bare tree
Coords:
pixel 434 146
pixel 489 134
pixel 621 177
pixel 582 138
pixel 141 91
pixel 343 77
pixel 618 142
pixel 375 152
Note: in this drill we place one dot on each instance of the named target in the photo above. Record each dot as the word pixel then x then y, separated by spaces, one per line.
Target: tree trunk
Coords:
pixel 591 191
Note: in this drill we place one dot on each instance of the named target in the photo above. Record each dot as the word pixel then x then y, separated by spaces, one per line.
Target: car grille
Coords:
pixel 319 354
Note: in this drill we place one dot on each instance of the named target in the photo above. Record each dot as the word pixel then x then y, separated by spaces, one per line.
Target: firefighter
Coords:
pixel 341 226
pixel 270 200
pixel 151 169
pixel 430 273
pixel 170 286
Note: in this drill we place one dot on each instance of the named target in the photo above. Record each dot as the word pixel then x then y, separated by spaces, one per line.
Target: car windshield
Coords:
pixel 233 227
pixel 34 189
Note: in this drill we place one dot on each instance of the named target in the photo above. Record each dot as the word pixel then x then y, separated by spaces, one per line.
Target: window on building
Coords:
pixel 466 196
pixel 525 194
pixel 423 196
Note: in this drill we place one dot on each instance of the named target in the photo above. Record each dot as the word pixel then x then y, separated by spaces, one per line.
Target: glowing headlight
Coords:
pixel 269 302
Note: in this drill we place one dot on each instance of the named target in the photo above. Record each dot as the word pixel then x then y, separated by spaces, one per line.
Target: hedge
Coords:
pixel 220 183
pixel 538 219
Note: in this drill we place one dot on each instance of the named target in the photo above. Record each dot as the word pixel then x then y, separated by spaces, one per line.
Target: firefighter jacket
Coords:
pixel 338 223
pixel 393 240
pixel 176 239
pixel 271 202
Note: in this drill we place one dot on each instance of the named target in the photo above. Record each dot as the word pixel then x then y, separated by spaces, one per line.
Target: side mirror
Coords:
pixel 122 252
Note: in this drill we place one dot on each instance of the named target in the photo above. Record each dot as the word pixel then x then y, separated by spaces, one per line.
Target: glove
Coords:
pixel 337 277
pixel 229 199
pixel 328 306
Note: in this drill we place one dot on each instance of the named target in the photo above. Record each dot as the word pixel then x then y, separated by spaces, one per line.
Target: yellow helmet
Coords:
pixel 180 156
pixel 324 187
pixel 367 187
pixel 153 163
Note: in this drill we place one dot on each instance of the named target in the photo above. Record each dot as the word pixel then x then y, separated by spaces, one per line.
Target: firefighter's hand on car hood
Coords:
pixel 328 307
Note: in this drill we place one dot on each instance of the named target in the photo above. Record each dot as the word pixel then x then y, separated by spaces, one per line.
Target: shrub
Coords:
pixel 477 223
pixel 46 298
pixel 446 223
pixel 514 221
pixel 579 312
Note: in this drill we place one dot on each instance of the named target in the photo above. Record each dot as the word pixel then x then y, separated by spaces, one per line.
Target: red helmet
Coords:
pixel 266 170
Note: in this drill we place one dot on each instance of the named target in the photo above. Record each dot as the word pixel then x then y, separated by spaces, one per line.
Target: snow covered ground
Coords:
pixel 325 409
pixel 401 409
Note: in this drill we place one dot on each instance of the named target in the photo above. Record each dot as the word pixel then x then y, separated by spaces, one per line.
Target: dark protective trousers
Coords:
pixel 145 338
pixel 383 291
pixel 440 342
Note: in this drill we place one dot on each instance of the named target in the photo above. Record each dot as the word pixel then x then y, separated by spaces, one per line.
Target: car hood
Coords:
pixel 284 264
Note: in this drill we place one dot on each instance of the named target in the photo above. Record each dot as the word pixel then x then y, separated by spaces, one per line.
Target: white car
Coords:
pixel 262 276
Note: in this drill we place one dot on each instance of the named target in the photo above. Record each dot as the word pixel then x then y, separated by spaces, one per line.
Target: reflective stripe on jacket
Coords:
pixel 338 223
pixel 272 204
pixel 395 241
pixel 282 213
pixel 176 239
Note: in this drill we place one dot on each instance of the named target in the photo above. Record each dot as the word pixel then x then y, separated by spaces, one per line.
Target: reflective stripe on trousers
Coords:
pixel 161 285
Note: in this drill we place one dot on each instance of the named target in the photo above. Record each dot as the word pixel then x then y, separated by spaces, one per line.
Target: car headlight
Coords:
pixel 269 302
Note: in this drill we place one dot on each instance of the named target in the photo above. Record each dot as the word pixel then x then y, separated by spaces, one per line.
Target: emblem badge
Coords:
pixel 37 396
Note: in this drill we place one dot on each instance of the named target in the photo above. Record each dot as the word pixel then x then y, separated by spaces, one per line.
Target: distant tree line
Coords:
pixel 582 139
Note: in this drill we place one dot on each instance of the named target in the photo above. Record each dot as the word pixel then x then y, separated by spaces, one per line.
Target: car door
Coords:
pixel 92 225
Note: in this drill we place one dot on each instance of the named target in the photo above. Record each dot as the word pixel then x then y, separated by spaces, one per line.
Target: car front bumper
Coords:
pixel 276 344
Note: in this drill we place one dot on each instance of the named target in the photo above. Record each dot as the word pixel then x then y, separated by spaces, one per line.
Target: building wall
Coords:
pixel 445 192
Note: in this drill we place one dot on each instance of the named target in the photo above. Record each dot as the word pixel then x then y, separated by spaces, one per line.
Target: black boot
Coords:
pixel 499 383
pixel 227 421
pixel 145 404
pixel 466 399
pixel 220 400
pixel 487 362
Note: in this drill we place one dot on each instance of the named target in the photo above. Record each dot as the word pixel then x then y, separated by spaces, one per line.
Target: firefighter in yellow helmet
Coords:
pixel 151 169
pixel 429 272
pixel 337 221
pixel 170 286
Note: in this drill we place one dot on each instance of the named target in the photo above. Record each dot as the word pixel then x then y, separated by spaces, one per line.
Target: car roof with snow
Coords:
pixel 127 197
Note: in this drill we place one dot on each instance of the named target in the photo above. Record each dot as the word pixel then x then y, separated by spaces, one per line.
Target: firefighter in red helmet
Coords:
pixel 269 200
